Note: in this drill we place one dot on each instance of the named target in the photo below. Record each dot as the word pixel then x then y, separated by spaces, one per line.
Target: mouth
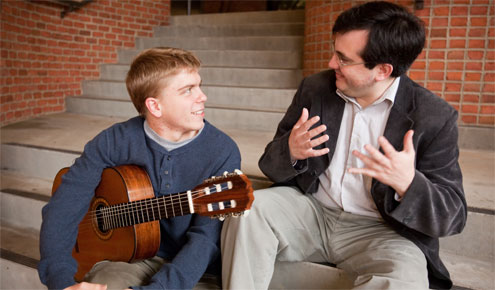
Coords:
pixel 198 112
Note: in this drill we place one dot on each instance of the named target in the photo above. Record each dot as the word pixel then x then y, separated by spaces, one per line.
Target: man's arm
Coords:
pixel 433 202
pixel 293 141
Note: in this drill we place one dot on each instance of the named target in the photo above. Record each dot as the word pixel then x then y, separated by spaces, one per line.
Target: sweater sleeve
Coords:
pixel 203 236
pixel 64 211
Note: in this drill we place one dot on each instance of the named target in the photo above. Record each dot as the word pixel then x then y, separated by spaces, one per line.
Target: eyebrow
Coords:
pixel 190 85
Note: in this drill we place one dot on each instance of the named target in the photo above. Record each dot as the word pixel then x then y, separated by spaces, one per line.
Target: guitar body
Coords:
pixel 121 184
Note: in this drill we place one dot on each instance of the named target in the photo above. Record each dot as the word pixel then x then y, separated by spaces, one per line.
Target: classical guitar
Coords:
pixel 122 223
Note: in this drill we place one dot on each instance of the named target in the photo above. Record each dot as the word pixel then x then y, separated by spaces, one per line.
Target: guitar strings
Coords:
pixel 123 210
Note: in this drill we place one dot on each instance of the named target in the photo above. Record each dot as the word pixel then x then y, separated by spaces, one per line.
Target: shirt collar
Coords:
pixel 389 94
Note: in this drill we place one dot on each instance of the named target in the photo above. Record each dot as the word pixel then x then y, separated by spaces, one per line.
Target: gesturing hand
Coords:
pixel 301 142
pixel 395 169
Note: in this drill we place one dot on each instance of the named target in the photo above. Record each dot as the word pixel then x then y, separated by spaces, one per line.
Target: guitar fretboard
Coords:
pixel 152 209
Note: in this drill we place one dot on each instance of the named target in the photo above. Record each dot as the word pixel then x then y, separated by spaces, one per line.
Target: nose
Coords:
pixel 202 97
pixel 333 63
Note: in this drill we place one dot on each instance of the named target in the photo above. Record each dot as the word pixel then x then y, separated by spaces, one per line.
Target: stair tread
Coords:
pixel 66 131
pixel 19 182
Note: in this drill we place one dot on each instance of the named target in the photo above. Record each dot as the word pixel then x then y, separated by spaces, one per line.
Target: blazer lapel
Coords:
pixel 399 122
pixel 332 110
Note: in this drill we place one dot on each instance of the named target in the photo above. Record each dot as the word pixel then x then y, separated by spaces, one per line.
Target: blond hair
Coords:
pixel 151 70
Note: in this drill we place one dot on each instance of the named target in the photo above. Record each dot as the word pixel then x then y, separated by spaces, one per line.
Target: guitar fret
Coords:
pixel 142 214
pixel 172 205
pixel 180 205
pixel 152 209
pixel 146 211
pixel 121 216
pixel 158 208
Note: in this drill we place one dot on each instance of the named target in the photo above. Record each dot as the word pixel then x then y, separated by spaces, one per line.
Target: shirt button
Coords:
pixel 167 185
pixel 168 158
pixel 166 172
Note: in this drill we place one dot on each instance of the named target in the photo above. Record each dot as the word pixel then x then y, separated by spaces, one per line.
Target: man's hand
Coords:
pixel 395 169
pixel 300 143
pixel 87 286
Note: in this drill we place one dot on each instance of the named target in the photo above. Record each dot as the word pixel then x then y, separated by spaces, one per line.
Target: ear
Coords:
pixel 153 107
pixel 384 71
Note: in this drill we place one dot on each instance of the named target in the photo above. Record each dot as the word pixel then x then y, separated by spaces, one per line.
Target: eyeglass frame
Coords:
pixel 339 60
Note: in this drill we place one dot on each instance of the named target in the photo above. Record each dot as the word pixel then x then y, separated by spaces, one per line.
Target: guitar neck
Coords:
pixel 146 210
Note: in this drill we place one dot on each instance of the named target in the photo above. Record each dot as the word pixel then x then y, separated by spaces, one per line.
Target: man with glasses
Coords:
pixel 365 165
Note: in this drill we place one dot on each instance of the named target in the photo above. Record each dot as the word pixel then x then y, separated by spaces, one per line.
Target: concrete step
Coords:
pixel 221 76
pixel 282 43
pixel 235 58
pixel 281 16
pixel 248 29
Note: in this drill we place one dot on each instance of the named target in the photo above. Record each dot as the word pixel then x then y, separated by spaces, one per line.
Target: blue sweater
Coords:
pixel 190 242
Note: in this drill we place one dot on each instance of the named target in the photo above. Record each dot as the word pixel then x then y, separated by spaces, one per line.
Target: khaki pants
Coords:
pixel 286 225
pixel 122 275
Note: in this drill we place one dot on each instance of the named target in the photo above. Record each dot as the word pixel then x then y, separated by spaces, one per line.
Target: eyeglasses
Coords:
pixel 341 62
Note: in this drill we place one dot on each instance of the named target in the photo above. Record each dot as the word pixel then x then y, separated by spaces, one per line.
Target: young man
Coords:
pixel 378 214
pixel 178 149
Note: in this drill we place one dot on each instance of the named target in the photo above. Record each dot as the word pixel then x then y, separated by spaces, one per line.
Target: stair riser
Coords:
pixel 224 43
pixel 236 58
pixel 224 118
pixel 476 240
pixel 261 78
pixel 261 99
pixel 100 107
pixel 224 97
pixel 21 211
pixel 17 276
pixel 35 162
pixel 275 29
pixel 240 18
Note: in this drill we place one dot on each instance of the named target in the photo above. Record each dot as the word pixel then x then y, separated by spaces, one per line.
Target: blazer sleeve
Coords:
pixel 275 162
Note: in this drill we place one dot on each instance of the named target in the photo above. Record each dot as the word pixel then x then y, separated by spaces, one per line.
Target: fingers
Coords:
pixel 302 138
pixel 408 141
pixel 302 119
pixel 388 149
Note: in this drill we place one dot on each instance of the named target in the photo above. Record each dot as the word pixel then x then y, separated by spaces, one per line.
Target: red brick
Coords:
pixel 458 32
pixel 488 99
pixel 468 119
pixel 472 77
pixel 457 43
pixel 487 120
pixel 479 21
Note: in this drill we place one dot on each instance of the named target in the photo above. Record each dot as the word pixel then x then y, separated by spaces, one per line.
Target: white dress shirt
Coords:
pixel 339 188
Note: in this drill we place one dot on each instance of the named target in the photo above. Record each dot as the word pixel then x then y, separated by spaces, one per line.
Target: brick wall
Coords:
pixel 44 58
pixel 458 62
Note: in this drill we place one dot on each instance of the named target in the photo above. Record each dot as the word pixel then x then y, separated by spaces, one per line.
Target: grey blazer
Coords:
pixel 434 205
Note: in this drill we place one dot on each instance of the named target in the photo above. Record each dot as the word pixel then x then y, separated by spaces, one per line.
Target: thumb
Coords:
pixel 303 118
pixel 408 141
